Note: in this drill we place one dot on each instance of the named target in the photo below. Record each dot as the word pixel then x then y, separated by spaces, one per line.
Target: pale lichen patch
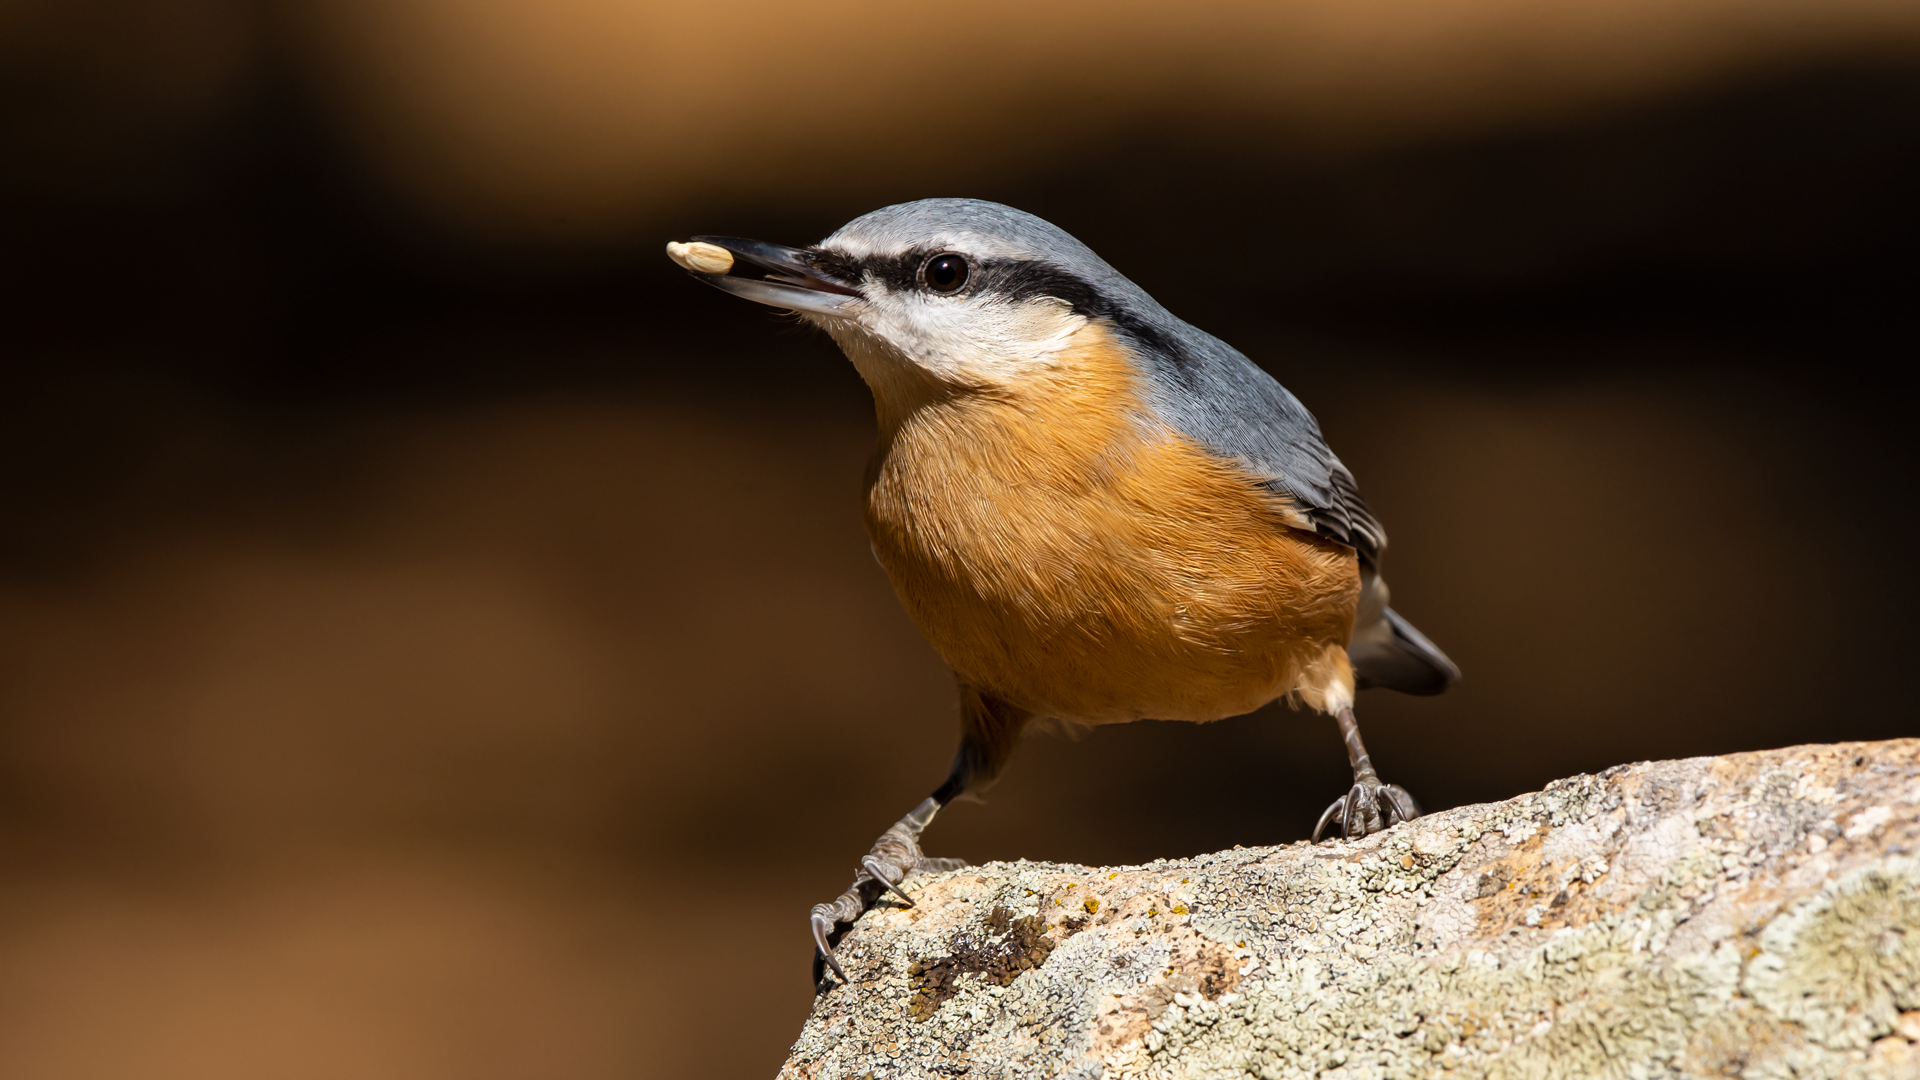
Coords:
pixel 1682 925
pixel 1844 963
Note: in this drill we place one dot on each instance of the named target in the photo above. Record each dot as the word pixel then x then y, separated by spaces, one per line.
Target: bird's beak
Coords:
pixel 770 274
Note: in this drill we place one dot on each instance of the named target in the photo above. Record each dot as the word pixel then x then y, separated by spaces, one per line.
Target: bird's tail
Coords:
pixel 1387 651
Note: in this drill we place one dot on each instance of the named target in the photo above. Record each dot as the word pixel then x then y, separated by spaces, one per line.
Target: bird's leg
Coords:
pixel 1369 806
pixel 895 855
pixel 989 728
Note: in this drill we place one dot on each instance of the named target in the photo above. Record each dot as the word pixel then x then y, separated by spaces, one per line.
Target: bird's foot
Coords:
pixel 895 855
pixel 1368 807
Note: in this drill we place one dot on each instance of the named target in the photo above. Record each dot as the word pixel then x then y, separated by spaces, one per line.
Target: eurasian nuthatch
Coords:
pixel 1094 511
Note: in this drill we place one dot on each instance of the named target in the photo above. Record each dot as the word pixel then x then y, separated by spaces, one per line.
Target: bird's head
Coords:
pixel 933 297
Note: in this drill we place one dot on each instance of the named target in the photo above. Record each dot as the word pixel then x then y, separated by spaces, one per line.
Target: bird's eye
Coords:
pixel 946 273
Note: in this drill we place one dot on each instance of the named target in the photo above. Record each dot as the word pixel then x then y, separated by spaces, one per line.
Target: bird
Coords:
pixel 1093 511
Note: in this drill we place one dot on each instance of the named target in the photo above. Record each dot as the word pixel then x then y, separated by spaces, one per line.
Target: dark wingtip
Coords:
pixel 1404 631
pixel 1409 663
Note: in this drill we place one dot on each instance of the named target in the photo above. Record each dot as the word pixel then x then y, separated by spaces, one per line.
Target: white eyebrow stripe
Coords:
pixel 858 245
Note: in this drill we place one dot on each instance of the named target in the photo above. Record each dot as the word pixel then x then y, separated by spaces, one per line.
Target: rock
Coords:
pixel 1754 915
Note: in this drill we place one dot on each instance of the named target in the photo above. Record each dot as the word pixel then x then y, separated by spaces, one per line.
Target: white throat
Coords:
pixel 963 343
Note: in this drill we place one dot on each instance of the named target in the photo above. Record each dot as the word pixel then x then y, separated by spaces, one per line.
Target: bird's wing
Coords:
pixel 1346 517
pixel 1216 396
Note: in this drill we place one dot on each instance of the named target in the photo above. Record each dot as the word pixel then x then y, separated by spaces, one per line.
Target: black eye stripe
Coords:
pixel 1013 279
pixel 840 267
pixel 898 273
pixel 1021 279
pixel 1016 280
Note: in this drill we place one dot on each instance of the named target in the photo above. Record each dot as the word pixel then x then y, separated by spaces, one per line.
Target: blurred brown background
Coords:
pixel 437 639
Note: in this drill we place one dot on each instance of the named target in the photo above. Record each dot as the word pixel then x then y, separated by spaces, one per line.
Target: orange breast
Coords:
pixel 1064 550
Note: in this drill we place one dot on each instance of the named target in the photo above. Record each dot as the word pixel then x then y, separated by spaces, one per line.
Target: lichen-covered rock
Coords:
pixel 1756 915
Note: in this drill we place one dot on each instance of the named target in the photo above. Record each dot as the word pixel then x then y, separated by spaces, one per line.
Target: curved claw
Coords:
pixel 1400 802
pixel 1338 806
pixel 879 868
pixel 822 926
pixel 1366 809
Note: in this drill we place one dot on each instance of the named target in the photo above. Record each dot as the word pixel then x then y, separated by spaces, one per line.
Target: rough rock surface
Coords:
pixel 1756 915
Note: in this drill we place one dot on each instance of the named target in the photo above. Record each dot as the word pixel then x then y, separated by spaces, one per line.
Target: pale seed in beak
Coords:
pixel 701 258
